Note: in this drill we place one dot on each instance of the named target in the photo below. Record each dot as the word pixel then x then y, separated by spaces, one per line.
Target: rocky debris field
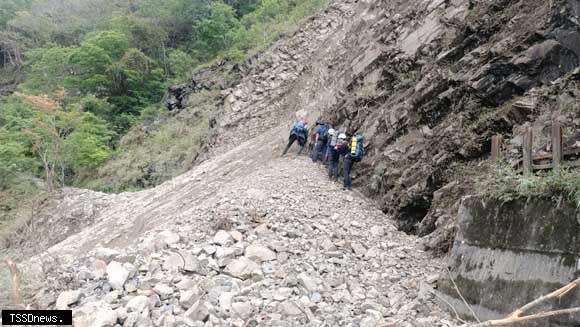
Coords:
pixel 281 246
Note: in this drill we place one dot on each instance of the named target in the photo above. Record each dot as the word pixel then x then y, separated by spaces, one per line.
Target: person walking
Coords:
pixel 355 154
pixel 332 138
pixel 339 148
pixel 299 132
pixel 321 139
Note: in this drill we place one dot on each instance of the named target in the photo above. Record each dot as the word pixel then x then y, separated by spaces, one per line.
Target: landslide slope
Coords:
pixel 424 80
pixel 245 237
pixel 427 82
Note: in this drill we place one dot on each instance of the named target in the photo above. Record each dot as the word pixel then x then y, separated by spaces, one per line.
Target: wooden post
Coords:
pixel 556 146
pixel 527 149
pixel 16 292
pixel 496 142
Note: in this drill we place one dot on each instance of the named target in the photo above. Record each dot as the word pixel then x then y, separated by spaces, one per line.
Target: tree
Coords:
pixel 180 63
pixel 114 43
pixel 9 8
pixel 47 69
pixel 96 106
pixel 73 19
pixel 86 147
pixel 214 34
pixel 89 64
pixel 67 143
pixel 136 77
pixel 12 46
pixel 14 158
pixel 144 33
pixel 178 17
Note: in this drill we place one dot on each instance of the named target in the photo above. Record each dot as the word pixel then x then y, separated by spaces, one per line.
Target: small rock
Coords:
pixel 289 309
pixel 191 263
pixel 197 312
pixel 117 275
pixel 67 298
pixel 282 294
pixel 244 268
pixel 242 310
pixel 262 229
pixel 237 236
pixel 358 249
pixel 315 297
pixel 378 231
pixel 222 238
pixel 112 296
pixel 131 319
pixel 309 284
pixel 186 284
pixel 169 237
pixel 260 253
pixel 173 262
pixel 137 304
pixel 100 268
pixel 188 298
pixel 164 291
pixel 106 317
pixel 432 279
pixel 106 254
pixel 225 301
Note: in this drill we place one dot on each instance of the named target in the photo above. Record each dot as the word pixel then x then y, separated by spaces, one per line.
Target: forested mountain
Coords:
pixel 76 75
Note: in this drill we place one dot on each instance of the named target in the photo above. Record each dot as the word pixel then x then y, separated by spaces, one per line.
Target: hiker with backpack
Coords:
pixel 332 138
pixel 338 149
pixel 355 154
pixel 321 141
pixel 299 132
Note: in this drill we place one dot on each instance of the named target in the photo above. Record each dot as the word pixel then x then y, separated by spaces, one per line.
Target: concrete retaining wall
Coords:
pixel 506 254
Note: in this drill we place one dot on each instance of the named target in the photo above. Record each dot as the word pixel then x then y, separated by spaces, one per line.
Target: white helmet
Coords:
pixel 331 132
pixel 342 136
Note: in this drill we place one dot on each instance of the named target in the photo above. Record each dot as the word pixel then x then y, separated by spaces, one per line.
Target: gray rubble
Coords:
pixel 329 258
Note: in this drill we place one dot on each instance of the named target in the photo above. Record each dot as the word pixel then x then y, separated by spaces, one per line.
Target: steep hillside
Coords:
pixel 441 80
pixel 428 83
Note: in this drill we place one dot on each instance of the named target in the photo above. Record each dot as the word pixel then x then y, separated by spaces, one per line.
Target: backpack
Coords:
pixel 299 128
pixel 323 132
pixel 334 139
pixel 357 150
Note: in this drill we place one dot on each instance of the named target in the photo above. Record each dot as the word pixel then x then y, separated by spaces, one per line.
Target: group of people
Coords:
pixel 328 145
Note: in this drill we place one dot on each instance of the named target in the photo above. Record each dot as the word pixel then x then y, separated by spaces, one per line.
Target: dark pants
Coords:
pixel 291 140
pixel 334 158
pixel 348 163
pixel 319 151
pixel 327 154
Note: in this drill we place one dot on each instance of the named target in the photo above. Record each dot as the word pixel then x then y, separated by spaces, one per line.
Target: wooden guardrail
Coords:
pixel 530 161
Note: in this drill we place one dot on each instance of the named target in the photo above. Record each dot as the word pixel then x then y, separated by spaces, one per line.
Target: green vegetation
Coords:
pixel 91 74
pixel 504 183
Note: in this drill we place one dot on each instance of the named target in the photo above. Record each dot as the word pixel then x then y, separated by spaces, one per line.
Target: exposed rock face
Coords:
pixel 517 250
pixel 427 82
pixel 421 96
